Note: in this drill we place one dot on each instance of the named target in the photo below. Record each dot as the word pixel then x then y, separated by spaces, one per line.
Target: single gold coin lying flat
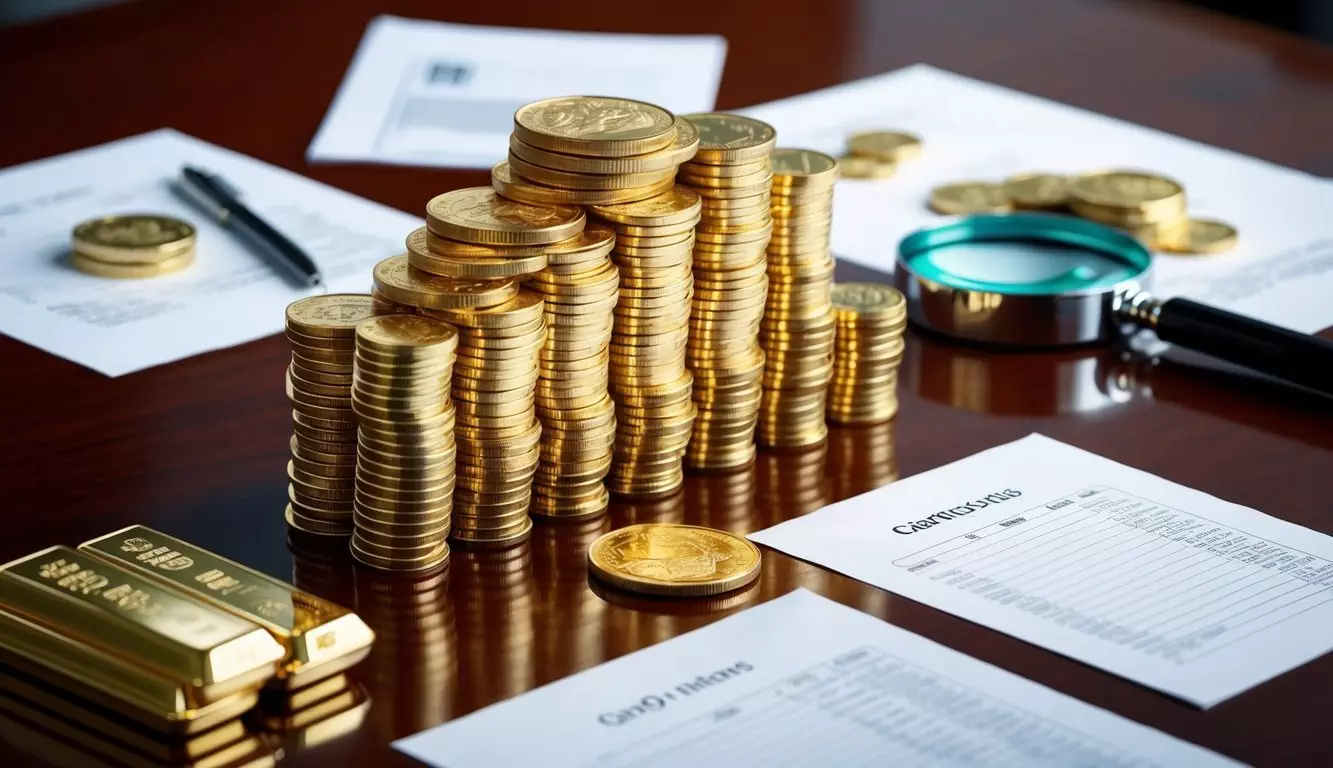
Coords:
pixel 674 560
pixel 1205 236
pixel 137 238
pixel 121 269
pixel 727 139
pixel 857 167
pixel 867 298
pixel 676 205
pixel 1037 191
pixel 965 197
pixel 478 215
pixel 332 315
pixel 885 146
pixel 1125 189
pixel 804 167
pixel 399 281
pixel 389 331
pixel 595 125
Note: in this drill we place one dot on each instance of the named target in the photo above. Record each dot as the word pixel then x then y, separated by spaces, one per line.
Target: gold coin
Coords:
pixel 967 197
pixel 803 168
pixel 682 148
pixel 1207 236
pixel 130 270
pixel 497 267
pixel 726 171
pixel 885 146
pixel 522 309
pixel 674 560
pixel 855 167
pixel 332 315
pixel 506 182
pixel 757 179
pixel 1147 193
pixel 135 239
pixel 595 125
pixel 424 562
pixel 584 181
pixel 675 205
pixel 479 215
pixel 399 281
pixel 725 139
pixel 387 333
pixel 1037 191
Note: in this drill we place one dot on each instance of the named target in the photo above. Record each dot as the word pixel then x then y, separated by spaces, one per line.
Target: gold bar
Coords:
pixel 111 619
pixel 321 638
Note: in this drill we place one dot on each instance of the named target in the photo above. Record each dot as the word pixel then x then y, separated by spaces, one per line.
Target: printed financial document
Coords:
pixel 437 94
pixel 229 296
pixel 1280 271
pixel 798 681
pixel 1167 586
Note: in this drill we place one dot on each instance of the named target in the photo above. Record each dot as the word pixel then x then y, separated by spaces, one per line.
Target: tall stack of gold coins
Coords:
pixel 137 245
pixel 797 331
pixel 867 350
pixel 732 174
pixel 649 381
pixel 322 330
pixel 405 442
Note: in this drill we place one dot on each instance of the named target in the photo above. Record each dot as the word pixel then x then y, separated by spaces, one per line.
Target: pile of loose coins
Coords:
pixel 405 441
pixel 797 330
pixel 322 331
pixel 137 245
pixel 867 350
pixel 732 175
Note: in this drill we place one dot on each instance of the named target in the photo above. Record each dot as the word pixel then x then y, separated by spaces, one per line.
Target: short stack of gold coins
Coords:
pixel 1149 206
pixel 732 174
pixel 798 328
pixel 867 350
pixel 134 245
pixel 649 380
pixel 405 442
pixel 322 331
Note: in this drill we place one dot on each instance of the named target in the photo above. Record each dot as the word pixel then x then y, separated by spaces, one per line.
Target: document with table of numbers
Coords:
pixel 1114 567
pixel 798 681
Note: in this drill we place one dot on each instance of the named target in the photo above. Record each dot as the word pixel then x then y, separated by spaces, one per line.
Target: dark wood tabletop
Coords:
pixel 197 448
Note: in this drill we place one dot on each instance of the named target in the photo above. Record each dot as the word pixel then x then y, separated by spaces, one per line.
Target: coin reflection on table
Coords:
pixel 412 670
pixel 722 501
pixel 570 621
pixel 492 592
pixel 625 511
pixel 861 459
pixel 322 565
pixel 790 484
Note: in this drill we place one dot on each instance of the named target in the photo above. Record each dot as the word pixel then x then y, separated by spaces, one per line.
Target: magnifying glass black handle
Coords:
pixel 1299 358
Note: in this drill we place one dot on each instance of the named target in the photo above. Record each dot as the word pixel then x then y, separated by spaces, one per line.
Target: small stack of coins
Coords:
pixel 405 442
pixel 322 330
pixel 797 331
pixel 495 384
pixel 732 174
pixel 132 246
pixel 649 381
pixel 867 350
pixel 592 150
pixel 877 154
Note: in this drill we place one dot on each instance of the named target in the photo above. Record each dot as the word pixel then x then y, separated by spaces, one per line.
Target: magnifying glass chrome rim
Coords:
pixel 1080 316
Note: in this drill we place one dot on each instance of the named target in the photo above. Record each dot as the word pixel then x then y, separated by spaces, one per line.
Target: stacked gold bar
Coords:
pixel 405 442
pixel 322 330
pixel 732 174
pixel 867 350
pixel 649 380
pixel 797 332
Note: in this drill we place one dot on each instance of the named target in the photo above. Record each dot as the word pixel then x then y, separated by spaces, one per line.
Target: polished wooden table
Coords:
pixel 197 448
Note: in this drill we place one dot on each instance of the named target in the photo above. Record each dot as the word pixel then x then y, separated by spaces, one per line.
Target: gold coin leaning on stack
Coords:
pixel 797 330
pixel 322 330
pixel 867 350
pixel 592 150
pixel 132 245
pixel 649 381
pixel 732 174
pixel 405 442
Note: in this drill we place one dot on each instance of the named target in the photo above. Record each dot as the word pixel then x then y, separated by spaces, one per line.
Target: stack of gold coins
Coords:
pixel 592 150
pixel 649 381
pixel 1148 206
pixel 495 384
pixel 732 174
pixel 797 331
pixel 136 245
pixel 322 330
pixel 405 441
pixel 867 350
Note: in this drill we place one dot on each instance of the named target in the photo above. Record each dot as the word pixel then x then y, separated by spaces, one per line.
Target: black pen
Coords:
pixel 212 194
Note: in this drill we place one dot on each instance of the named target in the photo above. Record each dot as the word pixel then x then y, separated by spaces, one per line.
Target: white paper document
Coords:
pixel 436 94
pixel 1280 272
pixel 1167 586
pixel 229 296
pixel 798 681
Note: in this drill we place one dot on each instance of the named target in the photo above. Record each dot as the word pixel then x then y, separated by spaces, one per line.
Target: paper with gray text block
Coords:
pixel 436 94
pixel 1281 270
pixel 798 681
pixel 229 296
pixel 1114 567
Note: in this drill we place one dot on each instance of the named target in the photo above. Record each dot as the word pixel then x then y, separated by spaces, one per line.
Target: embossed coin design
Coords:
pixel 135 238
pixel 478 215
pixel 674 560
pixel 595 125
pixel 731 138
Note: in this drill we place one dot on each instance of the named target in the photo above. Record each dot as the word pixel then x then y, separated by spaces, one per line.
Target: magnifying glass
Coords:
pixel 1042 280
